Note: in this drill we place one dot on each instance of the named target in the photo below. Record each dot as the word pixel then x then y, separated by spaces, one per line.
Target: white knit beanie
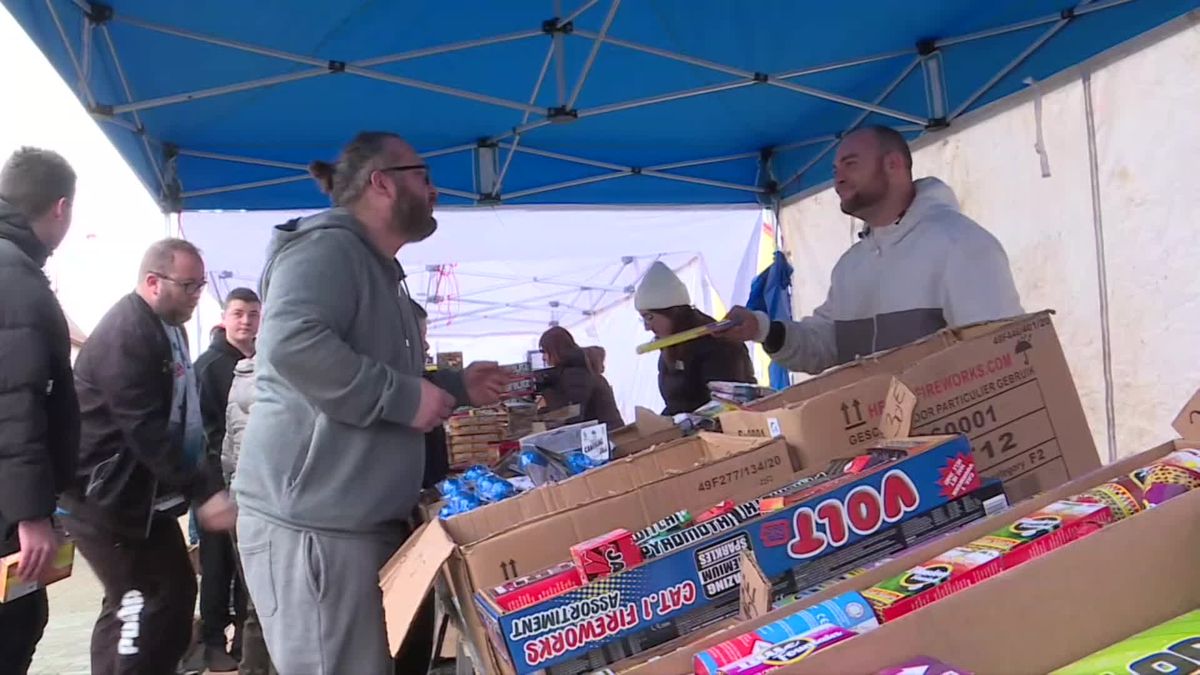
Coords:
pixel 660 289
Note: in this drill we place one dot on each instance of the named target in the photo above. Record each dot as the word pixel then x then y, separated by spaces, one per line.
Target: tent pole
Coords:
pixel 887 91
pixel 137 119
pixel 84 86
pixel 1012 65
pixel 591 57
pixel 1089 112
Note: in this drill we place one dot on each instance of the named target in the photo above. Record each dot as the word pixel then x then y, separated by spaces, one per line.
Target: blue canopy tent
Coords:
pixel 221 104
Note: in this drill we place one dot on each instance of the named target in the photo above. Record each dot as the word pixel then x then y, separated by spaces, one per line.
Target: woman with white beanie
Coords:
pixel 685 370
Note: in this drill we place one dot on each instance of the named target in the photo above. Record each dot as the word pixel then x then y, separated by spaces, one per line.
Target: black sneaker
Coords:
pixel 218 661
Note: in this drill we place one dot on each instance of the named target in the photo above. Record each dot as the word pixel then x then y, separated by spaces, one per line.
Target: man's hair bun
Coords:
pixel 322 172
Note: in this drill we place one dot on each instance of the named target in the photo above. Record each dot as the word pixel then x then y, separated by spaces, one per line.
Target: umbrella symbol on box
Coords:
pixel 1023 348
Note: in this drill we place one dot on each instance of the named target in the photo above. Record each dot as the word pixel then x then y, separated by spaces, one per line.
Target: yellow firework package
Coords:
pixel 1167 649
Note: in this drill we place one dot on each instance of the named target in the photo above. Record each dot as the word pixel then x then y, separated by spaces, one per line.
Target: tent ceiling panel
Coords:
pixel 632 83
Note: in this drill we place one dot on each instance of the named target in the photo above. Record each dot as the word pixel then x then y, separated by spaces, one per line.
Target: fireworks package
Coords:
pixel 850 612
pixel 606 555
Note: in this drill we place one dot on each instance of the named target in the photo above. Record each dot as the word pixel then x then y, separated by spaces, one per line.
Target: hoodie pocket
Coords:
pixel 260 577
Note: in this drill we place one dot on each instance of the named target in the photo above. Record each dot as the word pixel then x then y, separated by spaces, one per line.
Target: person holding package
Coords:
pixel 333 455
pixel 232 342
pixel 685 370
pixel 920 266
pixel 39 427
pixel 575 381
pixel 141 460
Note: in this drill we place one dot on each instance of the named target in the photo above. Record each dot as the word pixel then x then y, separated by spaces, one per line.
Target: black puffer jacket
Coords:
pixel 685 371
pixel 572 382
pixel 39 414
pixel 128 455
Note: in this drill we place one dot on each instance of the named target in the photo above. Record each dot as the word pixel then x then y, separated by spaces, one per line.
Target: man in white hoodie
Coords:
pixel 921 265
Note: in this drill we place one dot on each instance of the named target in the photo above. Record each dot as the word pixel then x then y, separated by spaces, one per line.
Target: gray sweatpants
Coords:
pixel 317 597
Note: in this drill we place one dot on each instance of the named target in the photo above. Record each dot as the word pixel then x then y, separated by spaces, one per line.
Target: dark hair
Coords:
pixel 243 294
pixel 422 315
pixel 683 318
pixel 33 180
pixel 891 140
pixel 595 356
pixel 345 180
pixel 559 344
pixel 161 256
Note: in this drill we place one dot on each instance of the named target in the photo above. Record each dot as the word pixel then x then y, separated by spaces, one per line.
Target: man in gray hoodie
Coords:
pixel 333 454
pixel 919 266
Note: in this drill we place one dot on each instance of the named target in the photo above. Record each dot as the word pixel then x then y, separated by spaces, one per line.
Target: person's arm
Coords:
pixel 313 291
pixel 129 379
pixel 26 469
pixel 452 382
pixel 808 345
pixel 978 283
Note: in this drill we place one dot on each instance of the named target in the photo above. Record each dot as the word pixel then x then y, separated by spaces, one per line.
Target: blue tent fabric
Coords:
pixel 771 292
pixel 222 104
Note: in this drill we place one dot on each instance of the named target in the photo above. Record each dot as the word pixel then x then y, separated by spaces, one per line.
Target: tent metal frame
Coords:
pixel 927 55
pixel 541 302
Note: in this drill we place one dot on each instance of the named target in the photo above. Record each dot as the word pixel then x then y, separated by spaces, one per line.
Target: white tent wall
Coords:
pixel 525 253
pixel 618 329
pixel 1146 141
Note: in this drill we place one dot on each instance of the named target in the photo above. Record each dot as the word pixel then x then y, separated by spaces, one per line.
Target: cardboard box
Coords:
pixel 976 629
pixel 1005 385
pixel 11 586
pixel 707 571
pixel 647 431
pixel 693 475
pixel 618 477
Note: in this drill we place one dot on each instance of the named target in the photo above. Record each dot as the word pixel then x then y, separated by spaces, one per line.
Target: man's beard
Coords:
pixel 867 196
pixel 411 220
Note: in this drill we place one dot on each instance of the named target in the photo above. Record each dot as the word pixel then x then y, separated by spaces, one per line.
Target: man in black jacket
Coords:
pixel 232 341
pixel 39 413
pixel 142 459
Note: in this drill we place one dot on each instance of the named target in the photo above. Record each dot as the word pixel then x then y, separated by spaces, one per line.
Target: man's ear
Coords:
pixel 62 208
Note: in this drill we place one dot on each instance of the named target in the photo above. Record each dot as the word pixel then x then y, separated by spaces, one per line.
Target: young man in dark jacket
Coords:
pixel 142 459
pixel 233 341
pixel 39 425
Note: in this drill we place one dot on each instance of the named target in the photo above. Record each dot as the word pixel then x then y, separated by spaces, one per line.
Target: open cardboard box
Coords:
pixel 1004 384
pixel 692 473
pixel 647 431
pixel 1040 616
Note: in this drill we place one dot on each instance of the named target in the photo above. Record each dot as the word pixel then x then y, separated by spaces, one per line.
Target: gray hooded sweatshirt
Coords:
pixel 328 446
pixel 934 268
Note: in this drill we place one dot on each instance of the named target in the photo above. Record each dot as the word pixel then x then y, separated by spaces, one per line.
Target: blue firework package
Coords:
pixel 492 488
pixel 460 503
pixel 473 474
pixel 577 463
pixel 539 467
pixel 452 486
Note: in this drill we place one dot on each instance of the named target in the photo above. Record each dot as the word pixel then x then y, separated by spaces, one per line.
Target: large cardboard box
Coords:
pixel 692 473
pixel 1005 385
pixel 697 573
pixel 1057 608
pixel 722 468
pixel 620 476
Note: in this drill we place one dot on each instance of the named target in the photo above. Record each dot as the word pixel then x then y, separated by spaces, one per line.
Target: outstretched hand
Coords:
pixel 745 326
pixel 485 381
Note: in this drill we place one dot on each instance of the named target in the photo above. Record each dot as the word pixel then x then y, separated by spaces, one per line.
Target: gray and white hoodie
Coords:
pixel 329 446
pixel 934 268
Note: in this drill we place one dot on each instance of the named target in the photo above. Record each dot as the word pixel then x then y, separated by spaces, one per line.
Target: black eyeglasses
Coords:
pixel 189 287
pixel 411 167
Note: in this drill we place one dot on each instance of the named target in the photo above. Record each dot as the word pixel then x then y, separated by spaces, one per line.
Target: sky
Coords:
pixel 115 216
